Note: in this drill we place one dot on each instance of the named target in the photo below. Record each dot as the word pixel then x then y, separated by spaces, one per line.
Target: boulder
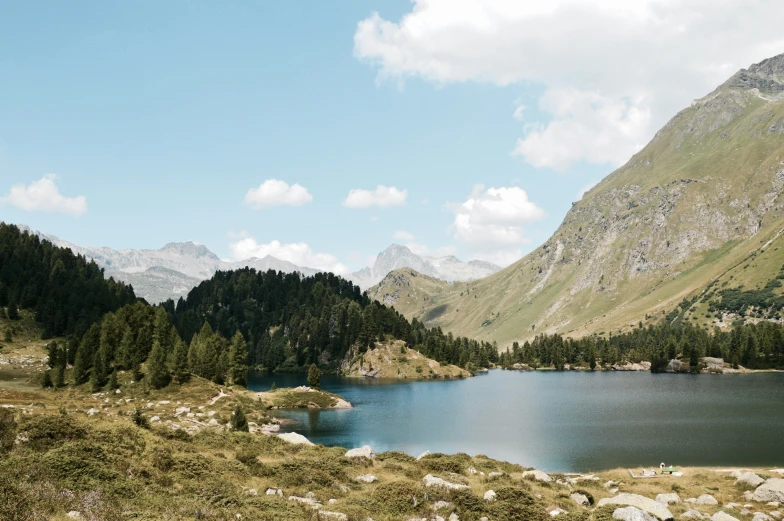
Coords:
pixel 323 515
pixel 776 514
pixel 363 452
pixel 706 499
pixel 307 500
pixel 760 516
pixel 676 366
pixel 426 453
pixel 723 516
pixel 691 514
pixel 366 478
pixel 433 481
pixel 74 514
pixel 749 479
pixel 490 495
pixel 632 514
pixel 274 492
pixel 538 475
pixel 643 503
pixel 296 439
pixel 93 411
pixel 453 517
pixel 495 475
pixel 555 511
pixel 771 490
pixel 580 499
pixel 668 499
pixel 438 505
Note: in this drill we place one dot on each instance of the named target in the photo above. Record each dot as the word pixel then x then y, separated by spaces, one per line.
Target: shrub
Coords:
pixel 397 497
pixel 7 430
pixel 238 420
pixel 140 419
pixel 44 432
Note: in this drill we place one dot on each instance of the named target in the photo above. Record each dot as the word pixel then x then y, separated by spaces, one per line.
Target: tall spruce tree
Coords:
pixel 238 360
pixel 157 370
pixel 314 377
pixel 13 311
pixel 181 371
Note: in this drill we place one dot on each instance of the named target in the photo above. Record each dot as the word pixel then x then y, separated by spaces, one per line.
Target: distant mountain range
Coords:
pixel 178 267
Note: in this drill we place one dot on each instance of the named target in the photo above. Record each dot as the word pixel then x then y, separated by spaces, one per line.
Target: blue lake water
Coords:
pixel 572 421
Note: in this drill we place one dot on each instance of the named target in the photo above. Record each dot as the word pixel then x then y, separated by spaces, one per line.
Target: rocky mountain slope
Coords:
pixel 447 268
pixel 700 204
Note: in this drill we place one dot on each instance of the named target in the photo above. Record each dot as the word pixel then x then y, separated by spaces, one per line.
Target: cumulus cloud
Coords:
pixel 298 253
pixel 382 196
pixel 491 222
pixel 44 196
pixel 274 192
pixel 635 63
pixel 404 235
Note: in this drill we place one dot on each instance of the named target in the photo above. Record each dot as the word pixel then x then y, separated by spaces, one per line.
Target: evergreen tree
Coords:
pixel 98 376
pixel 238 420
pixel 46 380
pixel 13 311
pixel 314 377
pixel 694 360
pixel 238 356
pixel 59 376
pixel 53 353
pixel 180 364
pixel 113 384
pixel 157 370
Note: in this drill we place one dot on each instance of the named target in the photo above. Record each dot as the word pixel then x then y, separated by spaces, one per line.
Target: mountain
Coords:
pixel 695 213
pixel 169 272
pixel 447 268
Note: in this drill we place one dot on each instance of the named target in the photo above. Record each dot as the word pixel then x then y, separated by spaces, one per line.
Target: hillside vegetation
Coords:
pixel 702 202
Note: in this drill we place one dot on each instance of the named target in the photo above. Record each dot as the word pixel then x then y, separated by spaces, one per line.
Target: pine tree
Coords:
pixel 113 384
pixel 46 380
pixel 82 365
pixel 238 360
pixel 59 376
pixel 314 377
pixel 157 370
pixel 13 311
pixel 53 352
pixel 181 370
pixel 98 377
pixel 238 420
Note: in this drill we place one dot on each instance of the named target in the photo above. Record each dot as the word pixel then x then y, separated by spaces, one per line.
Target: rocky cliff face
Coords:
pixel 698 198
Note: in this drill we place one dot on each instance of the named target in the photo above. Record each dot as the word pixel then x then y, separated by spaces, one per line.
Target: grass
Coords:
pixel 391 359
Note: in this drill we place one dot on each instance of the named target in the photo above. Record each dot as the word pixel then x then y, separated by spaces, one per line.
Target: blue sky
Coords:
pixel 163 115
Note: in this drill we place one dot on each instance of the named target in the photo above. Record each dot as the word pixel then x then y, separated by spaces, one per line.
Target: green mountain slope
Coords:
pixel 697 204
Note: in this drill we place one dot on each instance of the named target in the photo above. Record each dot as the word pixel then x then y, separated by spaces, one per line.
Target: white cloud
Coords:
pixel 585 126
pixel 274 192
pixel 519 111
pixel 44 196
pixel 298 253
pixel 426 251
pixel 404 235
pixel 382 196
pixel 634 62
pixel 491 222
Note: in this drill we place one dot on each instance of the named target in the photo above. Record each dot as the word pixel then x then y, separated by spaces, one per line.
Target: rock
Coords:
pixel 748 495
pixel 745 512
pixel 749 479
pixel 723 516
pixel 252 492
pixel 74 514
pixel 363 452
pixel 471 470
pixel 538 475
pixel 580 499
pixel 760 516
pixel 438 505
pixel 367 478
pixel 706 499
pixel 426 453
pixel 92 412
pixel 155 419
pixel 771 490
pixel 776 514
pixel 274 492
pixel 489 495
pixel 308 500
pixel 270 427
pixel 773 504
pixel 213 422
pixel 295 438
pixel 495 475
pixel 181 410
pixel 668 499
pixel 433 481
pixel 632 514
pixel 676 366
pixel 643 503
pixel 453 517
pixel 555 511
pixel 331 516
pixel 691 514
pixel 691 500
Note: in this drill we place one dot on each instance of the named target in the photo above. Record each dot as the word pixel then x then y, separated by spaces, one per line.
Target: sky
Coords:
pixel 320 132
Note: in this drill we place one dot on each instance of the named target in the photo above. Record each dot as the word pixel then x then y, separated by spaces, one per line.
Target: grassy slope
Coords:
pixel 638 242
pixel 387 360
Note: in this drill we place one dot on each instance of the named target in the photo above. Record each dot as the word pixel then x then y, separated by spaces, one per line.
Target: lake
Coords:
pixel 557 421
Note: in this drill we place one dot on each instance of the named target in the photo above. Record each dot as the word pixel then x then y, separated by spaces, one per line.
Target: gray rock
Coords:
pixel 723 516
pixel 632 514
pixel 643 503
pixel 426 453
pixel 706 499
pixel 495 475
pixel 538 475
pixel 74 514
pixel 296 439
pixel 433 481
pixel 580 499
pixel 691 514
pixel 363 452
pixel 438 505
pixel 749 479
pixel 367 478
pixel 760 516
pixel 324 515
pixel 668 499
pixel 771 490
pixel 490 495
